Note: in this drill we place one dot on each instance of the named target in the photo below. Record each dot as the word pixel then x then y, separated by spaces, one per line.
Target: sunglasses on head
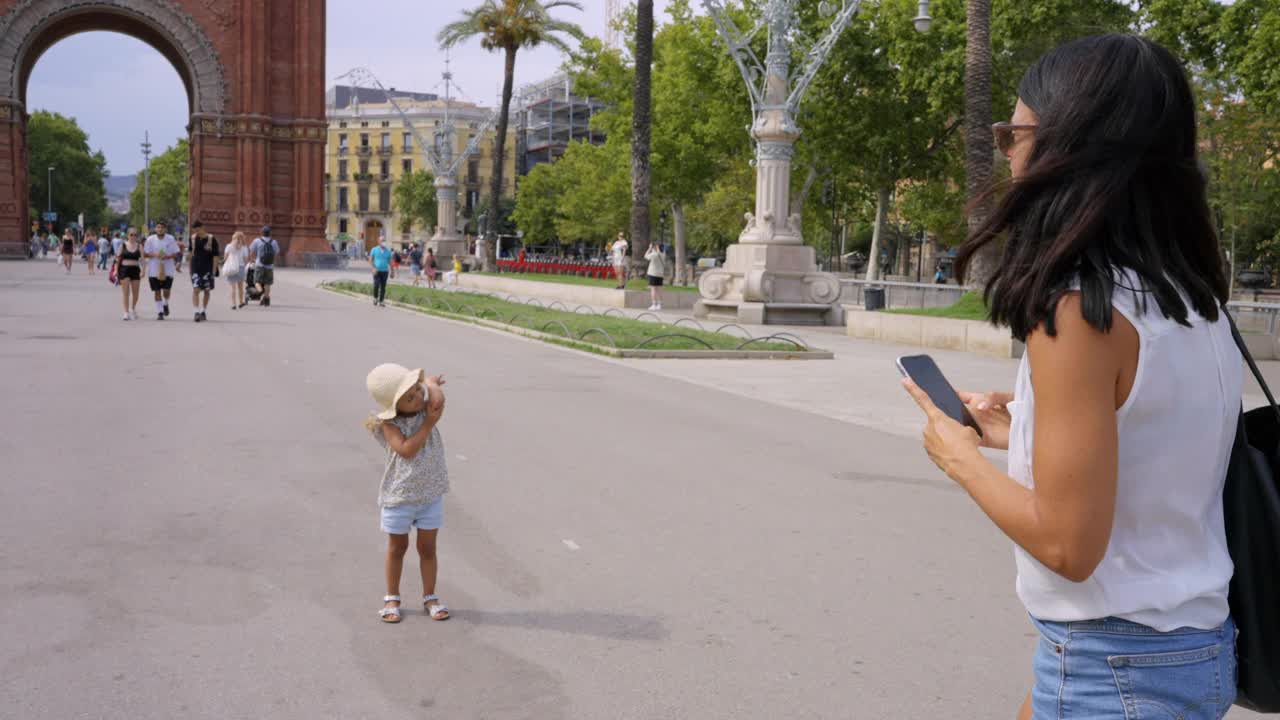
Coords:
pixel 1004 135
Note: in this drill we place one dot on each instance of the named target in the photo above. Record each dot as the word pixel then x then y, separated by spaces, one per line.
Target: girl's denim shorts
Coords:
pixel 1113 669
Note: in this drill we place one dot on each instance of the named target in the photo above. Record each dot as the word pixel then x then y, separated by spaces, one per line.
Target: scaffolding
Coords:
pixel 551 117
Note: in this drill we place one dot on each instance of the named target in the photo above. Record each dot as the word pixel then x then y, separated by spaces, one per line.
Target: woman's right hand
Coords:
pixel 991 411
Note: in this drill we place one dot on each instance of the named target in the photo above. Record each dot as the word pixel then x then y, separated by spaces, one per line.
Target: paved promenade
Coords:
pixel 188 526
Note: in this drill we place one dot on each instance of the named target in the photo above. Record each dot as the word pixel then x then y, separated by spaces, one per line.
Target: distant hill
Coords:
pixel 119 186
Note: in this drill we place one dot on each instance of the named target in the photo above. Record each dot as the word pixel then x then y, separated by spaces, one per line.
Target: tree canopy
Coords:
pixel 78 174
pixel 169 186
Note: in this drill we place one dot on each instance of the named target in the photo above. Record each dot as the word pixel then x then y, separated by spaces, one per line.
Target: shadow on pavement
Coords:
pixel 597 624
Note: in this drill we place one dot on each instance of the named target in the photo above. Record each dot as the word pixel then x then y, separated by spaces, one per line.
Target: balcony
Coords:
pixel 385 150
pixel 384 179
pixel 407 149
pixel 343 150
pixel 365 150
pixel 364 178
pixel 344 208
pixel 344 177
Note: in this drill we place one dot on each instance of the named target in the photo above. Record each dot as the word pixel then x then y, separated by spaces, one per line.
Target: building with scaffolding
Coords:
pixel 550 117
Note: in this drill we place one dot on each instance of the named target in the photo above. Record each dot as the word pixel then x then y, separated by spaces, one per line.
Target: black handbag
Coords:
pixel 1251 509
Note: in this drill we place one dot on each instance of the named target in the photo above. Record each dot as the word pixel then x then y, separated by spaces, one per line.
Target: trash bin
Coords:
pixel 873 298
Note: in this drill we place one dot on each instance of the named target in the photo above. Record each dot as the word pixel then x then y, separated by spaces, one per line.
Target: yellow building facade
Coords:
pixel 369 149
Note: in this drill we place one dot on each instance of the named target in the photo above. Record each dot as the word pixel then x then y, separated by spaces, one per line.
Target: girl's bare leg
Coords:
pixel 397 546
pixel 427 562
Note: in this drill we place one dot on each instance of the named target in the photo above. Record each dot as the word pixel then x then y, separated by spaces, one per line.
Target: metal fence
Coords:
pixel 902 294
pixel 1255 317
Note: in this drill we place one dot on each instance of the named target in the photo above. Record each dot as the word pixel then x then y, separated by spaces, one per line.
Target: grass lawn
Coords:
pixel 627 333
pixel 637 284
pixel 968 307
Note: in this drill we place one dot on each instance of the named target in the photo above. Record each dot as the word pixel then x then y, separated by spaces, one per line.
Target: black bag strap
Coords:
pixel 1253 366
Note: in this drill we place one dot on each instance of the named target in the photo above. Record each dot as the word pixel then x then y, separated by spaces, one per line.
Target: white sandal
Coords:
pixel 390 614
pixel 440 612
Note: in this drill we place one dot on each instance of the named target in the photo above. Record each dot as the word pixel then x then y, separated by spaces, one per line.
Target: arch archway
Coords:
pixel 257 127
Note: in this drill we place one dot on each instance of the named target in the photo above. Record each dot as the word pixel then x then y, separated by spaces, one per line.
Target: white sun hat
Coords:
pixel 387 383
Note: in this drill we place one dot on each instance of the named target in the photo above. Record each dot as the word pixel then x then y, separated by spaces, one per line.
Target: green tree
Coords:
pixel 508 26
pixel 414 197
pixel 537 212
pixel 79 176
pixel 169 185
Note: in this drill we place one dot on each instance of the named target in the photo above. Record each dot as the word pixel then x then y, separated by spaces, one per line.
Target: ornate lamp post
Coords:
pixel 770 275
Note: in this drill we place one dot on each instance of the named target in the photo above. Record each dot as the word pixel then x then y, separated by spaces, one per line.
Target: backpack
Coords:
pixel 267 255
pixel 1251 510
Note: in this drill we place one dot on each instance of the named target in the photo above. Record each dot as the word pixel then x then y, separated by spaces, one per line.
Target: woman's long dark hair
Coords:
pixel 1113 183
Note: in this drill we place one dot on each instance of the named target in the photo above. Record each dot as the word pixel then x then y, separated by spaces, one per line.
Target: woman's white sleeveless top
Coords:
pixel 1167 564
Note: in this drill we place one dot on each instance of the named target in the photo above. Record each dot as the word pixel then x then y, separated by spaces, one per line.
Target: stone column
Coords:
pixel 447 242
pixel 770 275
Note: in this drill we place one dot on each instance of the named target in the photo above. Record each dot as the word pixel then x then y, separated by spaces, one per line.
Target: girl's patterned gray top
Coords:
pixel 417 481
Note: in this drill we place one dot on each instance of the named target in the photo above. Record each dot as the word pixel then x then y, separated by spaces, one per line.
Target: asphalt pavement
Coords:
pixel 189 529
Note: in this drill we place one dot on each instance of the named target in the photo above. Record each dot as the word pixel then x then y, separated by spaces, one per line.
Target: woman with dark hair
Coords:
pixel 1124 410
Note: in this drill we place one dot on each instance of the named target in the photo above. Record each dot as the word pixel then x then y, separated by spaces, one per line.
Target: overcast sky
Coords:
pixel 138 90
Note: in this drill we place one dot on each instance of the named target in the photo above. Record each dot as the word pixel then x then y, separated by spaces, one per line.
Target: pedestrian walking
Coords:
pixel 235 266
pixel 415 263
pixel 262 253
pixel 619 252
pixel 129 273
pixel 161 251
pixel 105 253
pixel 395 263
pixel 431 267
pixel 1123 415
pixel 657 258
pixel 380 261
pixel 89 251
pixel 206 257
pixel 415 477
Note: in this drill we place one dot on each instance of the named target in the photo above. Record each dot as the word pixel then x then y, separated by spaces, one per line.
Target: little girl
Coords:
pixel 415 478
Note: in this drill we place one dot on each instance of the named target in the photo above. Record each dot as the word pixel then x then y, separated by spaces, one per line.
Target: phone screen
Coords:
pixel 924 372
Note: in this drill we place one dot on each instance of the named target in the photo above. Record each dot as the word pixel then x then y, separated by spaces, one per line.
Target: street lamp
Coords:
pixel 771 264
pixel 922 20
pixel 49 186
pixel 146 197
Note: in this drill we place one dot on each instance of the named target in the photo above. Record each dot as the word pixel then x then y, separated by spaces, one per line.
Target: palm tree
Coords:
pixel 641 121
pixel 508 25
pixel 978 147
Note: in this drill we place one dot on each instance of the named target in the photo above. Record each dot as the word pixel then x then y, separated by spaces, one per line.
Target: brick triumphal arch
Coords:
pixel 254 73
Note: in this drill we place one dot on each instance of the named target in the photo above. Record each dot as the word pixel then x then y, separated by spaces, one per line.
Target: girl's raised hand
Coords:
pixel 437 380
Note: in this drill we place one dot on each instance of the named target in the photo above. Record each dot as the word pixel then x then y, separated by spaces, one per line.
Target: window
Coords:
pixel 364 124
pixel 385 168
pixel 342 225
pixel 408 142
pixel 364 139
pixel 386 140
pixel 406 166
pixel 386 123
pixel 342 124
pixel 364 167
pixel 362 197
pixel 343 204
pixel 342 143
pixel 342 171
pixel 384 199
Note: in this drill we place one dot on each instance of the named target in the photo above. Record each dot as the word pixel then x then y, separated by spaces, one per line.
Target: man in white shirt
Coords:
pixel 116 242
pixel 263 252
pixel 160 250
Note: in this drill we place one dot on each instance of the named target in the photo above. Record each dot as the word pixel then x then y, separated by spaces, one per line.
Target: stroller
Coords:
pixel 251 291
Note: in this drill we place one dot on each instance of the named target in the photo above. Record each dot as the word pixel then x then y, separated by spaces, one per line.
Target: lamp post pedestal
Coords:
pixel 447 242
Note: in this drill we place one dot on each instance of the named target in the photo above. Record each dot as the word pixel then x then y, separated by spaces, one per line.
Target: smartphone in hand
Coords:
pixel 925 373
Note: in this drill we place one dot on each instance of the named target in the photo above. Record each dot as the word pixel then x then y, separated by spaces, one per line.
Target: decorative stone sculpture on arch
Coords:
pixel 254 74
